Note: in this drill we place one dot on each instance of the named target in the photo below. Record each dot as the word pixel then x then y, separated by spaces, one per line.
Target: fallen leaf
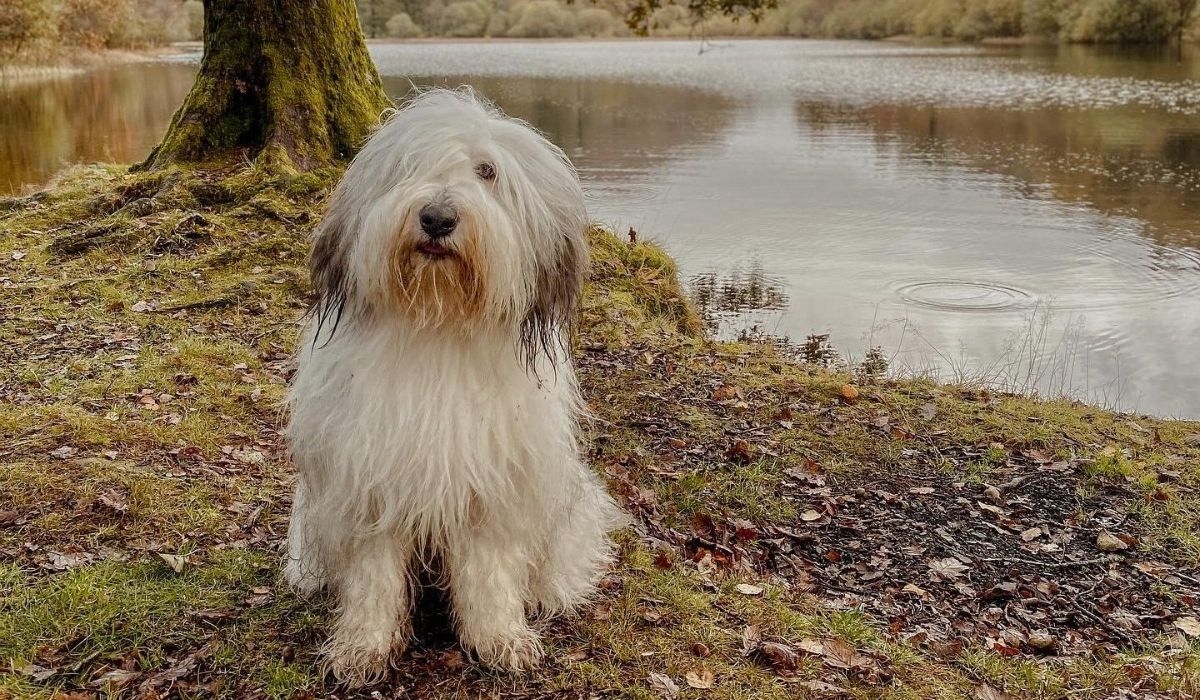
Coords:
pixel 701 678
pixel 839 654
pixel 751 638
pixel 740 451
pixel 1042 641
pixel 810 515
pixel 987 692
pixel 749 589
pixel 64 452
pixel 1190 626
pixel 174 561
pixel 927 411
pixel 113 500
pixel 948 568
pixel 725 393
pixel 781 657
pixel 822 687
pixel 922 490
pixel 18 254
pixel 849 393
pixel 811 646
pixel 946 650
pixel 1107 542
pixel 116 678
pixel 1031 534
pixel 35 672
pixel 993 494
pixel 140 307
pixel 663 685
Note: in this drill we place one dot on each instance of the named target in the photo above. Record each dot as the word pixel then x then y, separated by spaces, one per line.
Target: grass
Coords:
pixel 149 320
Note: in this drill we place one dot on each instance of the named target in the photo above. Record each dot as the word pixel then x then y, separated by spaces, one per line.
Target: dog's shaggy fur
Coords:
pixel 434 409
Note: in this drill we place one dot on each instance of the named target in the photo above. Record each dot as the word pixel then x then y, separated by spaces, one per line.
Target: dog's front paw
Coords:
pixel 361 661
pixel 517 650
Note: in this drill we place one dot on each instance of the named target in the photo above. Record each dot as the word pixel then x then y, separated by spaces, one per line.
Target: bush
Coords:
pixel 464 19
pixel 193 12
pixel 1127 21
pixel 497 23
pixel 542 18
pixel 594 21
pixel 90 23
pixel 401 26
pixel 24 23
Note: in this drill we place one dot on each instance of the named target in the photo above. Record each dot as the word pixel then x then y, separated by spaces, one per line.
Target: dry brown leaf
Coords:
pixel 724 393
pixel 1107 542
pixel 811 646
pixel 948 568
pixel 749 589
pixel 987 692
pixel 751 638
pixel 701 678
pixel 1189 625
pixel 663 685
pixel 781 657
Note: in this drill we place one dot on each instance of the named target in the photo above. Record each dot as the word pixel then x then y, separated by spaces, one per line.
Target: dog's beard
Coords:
pixel 436 284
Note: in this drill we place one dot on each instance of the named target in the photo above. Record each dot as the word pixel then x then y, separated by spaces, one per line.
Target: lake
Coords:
pixel 1025 216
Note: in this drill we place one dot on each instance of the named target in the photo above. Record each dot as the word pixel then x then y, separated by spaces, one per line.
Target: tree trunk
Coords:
pixel 283 83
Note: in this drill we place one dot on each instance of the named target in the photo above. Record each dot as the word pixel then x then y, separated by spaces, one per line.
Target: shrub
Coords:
pixel 1128 21
pixel 90 23
pixel 193 12
pixel 24 23
pixel 595 21
pixel 542 18
pixel 497 23
pixel 464 19
pixel 401 26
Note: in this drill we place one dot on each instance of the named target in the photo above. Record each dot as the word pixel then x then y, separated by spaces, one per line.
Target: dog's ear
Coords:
pixel 329 265
pixel 557 291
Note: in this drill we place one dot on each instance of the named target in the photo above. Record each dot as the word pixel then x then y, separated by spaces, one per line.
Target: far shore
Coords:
pixel 82 60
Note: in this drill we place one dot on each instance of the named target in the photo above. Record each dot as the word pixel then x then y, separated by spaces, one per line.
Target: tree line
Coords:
pixel 44 28
pixel 1121 21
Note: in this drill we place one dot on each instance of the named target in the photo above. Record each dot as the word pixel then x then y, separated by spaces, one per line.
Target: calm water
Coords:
pixel 1031 216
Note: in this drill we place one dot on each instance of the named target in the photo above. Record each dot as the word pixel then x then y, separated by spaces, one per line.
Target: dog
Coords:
pixel 434 410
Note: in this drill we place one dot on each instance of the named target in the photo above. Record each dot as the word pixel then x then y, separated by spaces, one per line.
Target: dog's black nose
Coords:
pixel 438 220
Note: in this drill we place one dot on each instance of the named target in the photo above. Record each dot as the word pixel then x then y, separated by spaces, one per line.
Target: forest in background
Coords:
pixel 32 30
pixel 1127 21
pixel 42 30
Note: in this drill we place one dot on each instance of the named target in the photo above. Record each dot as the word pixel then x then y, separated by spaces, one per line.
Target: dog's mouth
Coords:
pixel 435 250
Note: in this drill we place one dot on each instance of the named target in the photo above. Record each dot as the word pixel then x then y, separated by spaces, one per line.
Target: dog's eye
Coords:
pixel 486 171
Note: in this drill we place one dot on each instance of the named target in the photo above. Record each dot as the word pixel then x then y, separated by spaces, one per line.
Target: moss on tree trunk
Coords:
pixel 283 83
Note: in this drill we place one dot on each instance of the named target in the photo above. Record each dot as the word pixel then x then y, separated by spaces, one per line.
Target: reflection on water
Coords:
pixel 1029 215
pixel 112 115
pixel 733 300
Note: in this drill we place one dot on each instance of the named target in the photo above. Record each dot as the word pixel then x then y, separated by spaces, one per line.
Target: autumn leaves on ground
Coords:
pixel 800 533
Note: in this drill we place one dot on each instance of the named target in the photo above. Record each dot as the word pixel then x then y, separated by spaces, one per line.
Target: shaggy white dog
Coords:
pixel 434 409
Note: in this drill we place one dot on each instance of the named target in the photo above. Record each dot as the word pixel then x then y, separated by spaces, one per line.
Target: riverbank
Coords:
pixel 799 532
pixel 76 61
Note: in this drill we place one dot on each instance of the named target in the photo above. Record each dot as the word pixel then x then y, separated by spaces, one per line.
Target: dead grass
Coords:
pixel 148 321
